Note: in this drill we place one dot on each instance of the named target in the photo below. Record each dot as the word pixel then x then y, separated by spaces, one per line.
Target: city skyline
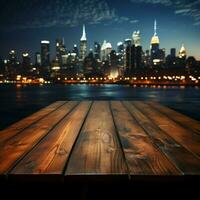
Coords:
pixel 114 21
pixel 90 46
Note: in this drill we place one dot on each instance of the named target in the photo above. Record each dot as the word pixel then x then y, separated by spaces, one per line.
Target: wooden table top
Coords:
pixel 102 139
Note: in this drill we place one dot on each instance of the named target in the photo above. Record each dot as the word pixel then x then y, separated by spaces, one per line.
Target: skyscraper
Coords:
pixel 12 57
pixel 45 53
pixel 128 51
pixel 136 38
pixel 97 51
pixel 60 50
pixel 83 45
pixel 173 52
pixel 163 55
pixel 45 58
pixel 138 57
pixel 37 59
pixel 129 56
pixel 127 42
pixel 89 64
pixel 155 52
pixel 113 58
pixel 147 58
pixel 114 72
pixel 106 49
pixel 130 59
pixel 75 50
pixel 182 53
pixel 120 48
pixel 12 67
pixel 120 52
pixel 26 63
pixel 138 49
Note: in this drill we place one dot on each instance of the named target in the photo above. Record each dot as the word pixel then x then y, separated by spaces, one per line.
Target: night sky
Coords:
pixel 24 23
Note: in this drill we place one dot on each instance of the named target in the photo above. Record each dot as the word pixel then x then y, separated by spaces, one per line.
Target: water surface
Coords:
pixel 17 102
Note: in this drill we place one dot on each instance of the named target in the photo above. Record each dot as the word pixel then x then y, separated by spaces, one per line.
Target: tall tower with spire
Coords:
pixel 155 27
pixel 155 38
pixel 182 53
pixel 83 45
pixel 155 51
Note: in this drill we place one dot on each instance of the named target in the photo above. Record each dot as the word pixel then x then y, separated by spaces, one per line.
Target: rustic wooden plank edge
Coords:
pixel 7 173
pixel 119 140
pixel 92 177
pixel 51 154
pixel 73 146
pixel 156 107
pixel 191 136
pixel 184 147
pixel 142 157
pixel 97 150
pixel 192 170
pixel 34 122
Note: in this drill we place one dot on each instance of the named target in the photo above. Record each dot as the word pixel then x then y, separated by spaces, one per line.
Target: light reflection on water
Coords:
pixel 19 101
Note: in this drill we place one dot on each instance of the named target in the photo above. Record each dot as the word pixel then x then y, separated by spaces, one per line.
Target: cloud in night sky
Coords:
pixel 23 23
pixel 23 14
pixel 48 13
pixel 189 8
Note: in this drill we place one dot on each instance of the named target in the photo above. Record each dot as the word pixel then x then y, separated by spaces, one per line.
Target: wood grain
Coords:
pixel 26 122
pixel 73 140
pixel 184 160
pixel 13 149
pixel 142 156
pixel 51 154
pixel 183 136
pixel 183 120
pixel 97 150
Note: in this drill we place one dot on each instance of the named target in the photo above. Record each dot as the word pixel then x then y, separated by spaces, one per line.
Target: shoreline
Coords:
pixel 107 83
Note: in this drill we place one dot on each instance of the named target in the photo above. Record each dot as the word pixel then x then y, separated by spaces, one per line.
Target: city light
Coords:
pixel 130 63
pixel 41 80
pixel 45 42
pixel 25 54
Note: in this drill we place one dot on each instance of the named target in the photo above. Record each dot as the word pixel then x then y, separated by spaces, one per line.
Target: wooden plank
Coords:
pixel 51 154
pixel 183 120
pixel 26 122
pixel 185 137
pixel 97 150
pixel 16 147
pixel 143 158
pixel 182 158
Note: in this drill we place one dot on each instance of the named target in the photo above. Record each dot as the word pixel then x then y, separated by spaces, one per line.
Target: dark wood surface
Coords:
pixel 142 156
pixel 182 135
pixel 184 120
pixel 98 149
pixel 183 159
pixel 12 151
pixel 25 123
pixel 51 154
pixel 76 140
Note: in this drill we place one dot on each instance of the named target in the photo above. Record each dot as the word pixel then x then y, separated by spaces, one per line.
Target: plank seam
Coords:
pixel 151 140
pixel 34 122
pixel 119 140
pixel 75 142
pixel 35 145
pixel 182 145
pixel 184 126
